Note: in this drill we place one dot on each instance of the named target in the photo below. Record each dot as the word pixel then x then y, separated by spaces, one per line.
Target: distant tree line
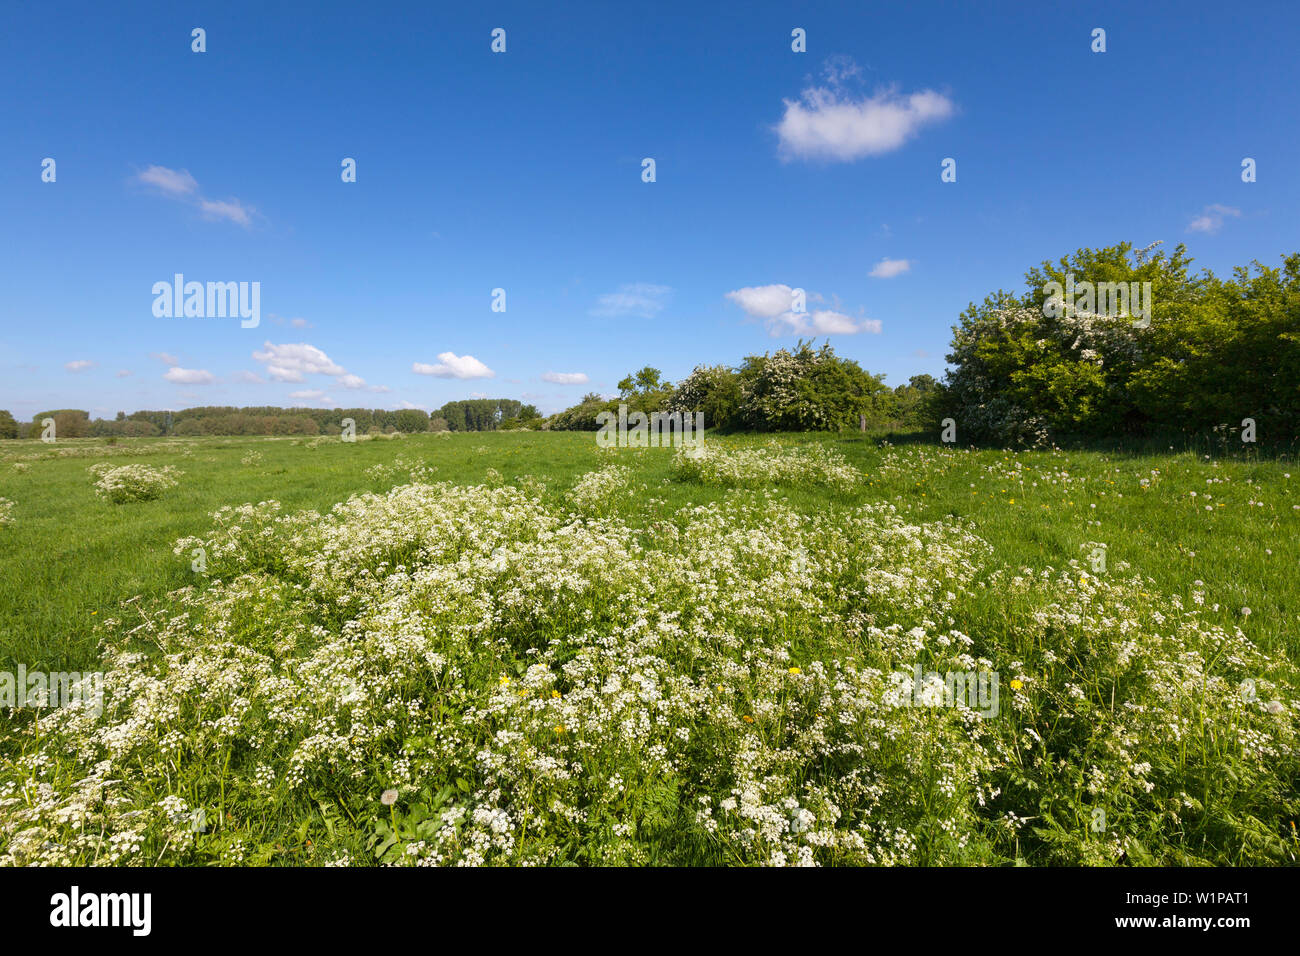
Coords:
pixel 799 389
pixel 473 415
pixel 486 414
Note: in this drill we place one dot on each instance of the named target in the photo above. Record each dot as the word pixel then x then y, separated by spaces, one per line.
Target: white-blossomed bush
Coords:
pixel 124 483
pixel 6 511
pixel 542 682
pixel 771 463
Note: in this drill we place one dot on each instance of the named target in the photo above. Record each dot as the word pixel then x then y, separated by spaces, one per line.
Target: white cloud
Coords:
pixel 125 373
pixel 773 304
pixel 293 362
pixel 180 185
pixel 888 268
pixel 820 322
pixel 165 358
pixel 451 365
pixel 290 362
pixel 79 365
pixel 312 395
pixel 231 209
pixel 188 376
pixel 641 299
pixel 764 301
pixel 300 323
pixel 250 378
pixel 1211 219
pixel 566 378
pixel 174 182
pixel 828 123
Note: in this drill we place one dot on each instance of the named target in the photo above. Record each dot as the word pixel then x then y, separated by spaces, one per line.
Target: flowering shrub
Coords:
pixel 769 464
pixel 6 511
pixel 451 675
pixel 132 482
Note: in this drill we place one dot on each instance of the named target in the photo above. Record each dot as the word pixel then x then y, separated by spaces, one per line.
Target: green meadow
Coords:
pixel 69 557
pixel 519 647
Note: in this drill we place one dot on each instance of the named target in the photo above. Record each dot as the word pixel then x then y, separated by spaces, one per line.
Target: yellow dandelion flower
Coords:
pixel 796 670
pixel 1016 684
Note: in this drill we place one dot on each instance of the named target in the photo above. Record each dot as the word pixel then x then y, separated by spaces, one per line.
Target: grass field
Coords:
pixel 601 656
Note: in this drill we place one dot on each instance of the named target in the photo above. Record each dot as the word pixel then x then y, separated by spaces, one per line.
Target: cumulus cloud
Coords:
pixel 820 322
pixel 292 361
pixel 78 365
pixel 188 376
pixel 1212 218
pixel 764 301
pixel 830 123
pixel 774 304
pixel 566 378
pixel 451 365
pixel 888 268
pixel 641 299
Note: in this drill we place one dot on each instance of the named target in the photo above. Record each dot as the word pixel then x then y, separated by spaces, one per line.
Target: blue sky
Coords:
pixel 523 171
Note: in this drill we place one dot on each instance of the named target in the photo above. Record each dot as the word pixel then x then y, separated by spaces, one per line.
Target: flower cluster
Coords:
pixel 768 464
pixel 132 482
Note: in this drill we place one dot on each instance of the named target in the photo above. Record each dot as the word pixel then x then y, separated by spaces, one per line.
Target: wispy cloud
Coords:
pixel 566 378
pixel 641 299
pixel 451 365
pixel 231 209
pixel 78 365
pixel 173 182
pixel 180 185
pixel 888 268
pixel 831 123
pixel 1212 218
pixel 165 357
